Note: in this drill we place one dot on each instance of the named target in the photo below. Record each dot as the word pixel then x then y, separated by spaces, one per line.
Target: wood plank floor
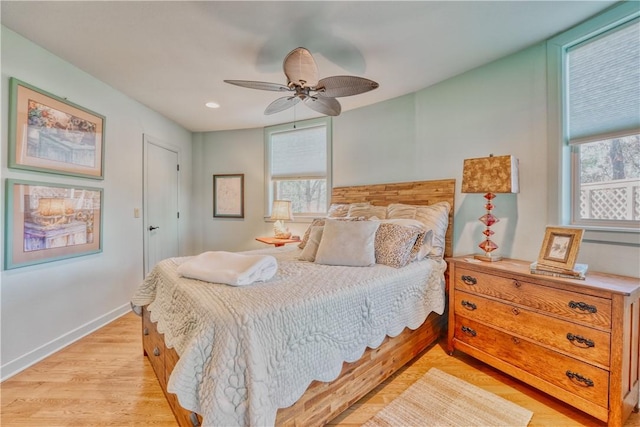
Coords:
pixel 103 380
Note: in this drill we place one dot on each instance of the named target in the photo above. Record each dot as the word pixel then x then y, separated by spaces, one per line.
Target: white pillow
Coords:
pixel 311 248
pixel 357 210
pixel 350 243
pixel 434 217
pixel 338 210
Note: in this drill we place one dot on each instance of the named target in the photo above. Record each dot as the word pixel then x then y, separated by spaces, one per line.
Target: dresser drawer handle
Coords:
pixel 468 305
pixel 193 417
pixel 517 284
pixel 469 331
pixel 576 377
pixel 145 331
pixel 583 306
pixel 580 340
pixel 515 311
pixel 156 351
pixel 469 280
pixel 515 340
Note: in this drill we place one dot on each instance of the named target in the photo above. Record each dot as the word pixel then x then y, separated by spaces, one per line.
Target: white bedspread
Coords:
pixel 247 351
pixel 230 268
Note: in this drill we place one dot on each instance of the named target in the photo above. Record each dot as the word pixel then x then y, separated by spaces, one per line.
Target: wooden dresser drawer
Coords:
pixel 587 309
pixel 153 345
pixel 578 378
pixel 579 341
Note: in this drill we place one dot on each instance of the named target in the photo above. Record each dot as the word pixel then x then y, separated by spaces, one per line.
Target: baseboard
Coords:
pixel 23 362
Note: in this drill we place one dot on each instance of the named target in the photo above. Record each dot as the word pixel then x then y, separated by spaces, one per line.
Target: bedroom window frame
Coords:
pixel 271 182
pixel 563 158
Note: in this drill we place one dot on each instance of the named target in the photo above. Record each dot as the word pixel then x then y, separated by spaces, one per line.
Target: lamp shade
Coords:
pixel 281 210
pixel 493 174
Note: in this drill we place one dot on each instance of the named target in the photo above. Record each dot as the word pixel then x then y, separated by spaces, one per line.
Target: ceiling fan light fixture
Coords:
pixel 302 79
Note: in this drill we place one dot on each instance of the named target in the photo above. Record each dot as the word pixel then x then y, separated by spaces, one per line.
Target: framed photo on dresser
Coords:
pixel 560 248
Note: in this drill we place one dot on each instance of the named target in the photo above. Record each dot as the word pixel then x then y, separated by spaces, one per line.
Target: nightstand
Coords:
pixel 275 241
pixel 576 340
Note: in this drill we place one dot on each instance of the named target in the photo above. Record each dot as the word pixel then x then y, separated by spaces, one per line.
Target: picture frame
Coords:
pixel 560 248
pixel 48 133
pixel 228 196
pixel 47 222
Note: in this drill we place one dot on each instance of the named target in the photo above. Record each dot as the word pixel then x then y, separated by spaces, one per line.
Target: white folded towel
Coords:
pixel 229 268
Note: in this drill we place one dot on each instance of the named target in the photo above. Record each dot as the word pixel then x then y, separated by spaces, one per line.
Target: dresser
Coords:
pixel 163 360
pixel 577 340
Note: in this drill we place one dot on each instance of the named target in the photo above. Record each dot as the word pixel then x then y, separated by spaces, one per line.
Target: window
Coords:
pixel 594 77
pixel 298 166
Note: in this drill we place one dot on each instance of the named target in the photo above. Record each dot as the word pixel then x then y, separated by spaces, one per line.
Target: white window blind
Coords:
pixel 604 86
pixel 299 153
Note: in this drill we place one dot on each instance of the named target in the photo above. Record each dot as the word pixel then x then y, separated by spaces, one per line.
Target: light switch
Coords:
pixel 136 212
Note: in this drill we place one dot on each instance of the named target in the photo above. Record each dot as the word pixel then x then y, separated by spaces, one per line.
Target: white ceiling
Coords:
pixel 173 55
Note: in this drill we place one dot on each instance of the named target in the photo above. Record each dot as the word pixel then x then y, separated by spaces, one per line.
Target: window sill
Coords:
pixel 611 236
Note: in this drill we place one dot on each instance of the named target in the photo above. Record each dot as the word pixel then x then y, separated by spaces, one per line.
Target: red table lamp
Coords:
pixel 490 175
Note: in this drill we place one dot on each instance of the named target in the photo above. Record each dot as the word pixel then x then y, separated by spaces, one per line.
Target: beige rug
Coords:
pixel 439 399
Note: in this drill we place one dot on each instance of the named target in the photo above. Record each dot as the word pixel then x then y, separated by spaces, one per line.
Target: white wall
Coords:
pixel 47 306
pixel 499 108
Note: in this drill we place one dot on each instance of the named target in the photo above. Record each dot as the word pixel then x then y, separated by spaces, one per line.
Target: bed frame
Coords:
pixel 324 401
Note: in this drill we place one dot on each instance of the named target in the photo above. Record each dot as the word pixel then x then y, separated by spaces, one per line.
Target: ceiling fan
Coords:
pixel 303 84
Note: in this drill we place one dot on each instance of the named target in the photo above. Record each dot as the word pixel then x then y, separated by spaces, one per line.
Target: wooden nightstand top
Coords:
pixel 275 241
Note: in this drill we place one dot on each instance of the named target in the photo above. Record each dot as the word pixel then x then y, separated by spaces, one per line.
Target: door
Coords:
pixel 161 215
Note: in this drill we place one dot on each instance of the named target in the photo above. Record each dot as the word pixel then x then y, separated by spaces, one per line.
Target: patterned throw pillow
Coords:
pixel 394 244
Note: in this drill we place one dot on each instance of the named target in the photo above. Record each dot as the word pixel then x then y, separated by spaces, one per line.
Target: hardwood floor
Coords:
pixel 103 380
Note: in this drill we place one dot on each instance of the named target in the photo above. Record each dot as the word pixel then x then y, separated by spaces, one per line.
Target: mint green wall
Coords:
pixel 230 152
pixel 47 306
pixel 499 108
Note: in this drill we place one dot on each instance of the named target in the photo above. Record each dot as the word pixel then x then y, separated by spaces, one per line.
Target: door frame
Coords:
pixel 150 140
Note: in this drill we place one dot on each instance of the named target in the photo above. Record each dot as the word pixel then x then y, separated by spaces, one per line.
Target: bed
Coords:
pixel 254 377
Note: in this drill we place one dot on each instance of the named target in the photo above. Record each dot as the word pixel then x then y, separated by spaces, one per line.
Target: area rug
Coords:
pixel 439 399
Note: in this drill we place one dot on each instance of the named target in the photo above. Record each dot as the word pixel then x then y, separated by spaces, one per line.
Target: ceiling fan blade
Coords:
pixel 344 86
pixel 300 68
pixel 324 105
pixel 281 104
pixel 276 87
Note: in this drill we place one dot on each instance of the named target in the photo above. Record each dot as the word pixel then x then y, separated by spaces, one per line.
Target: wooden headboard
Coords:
pixel 410 193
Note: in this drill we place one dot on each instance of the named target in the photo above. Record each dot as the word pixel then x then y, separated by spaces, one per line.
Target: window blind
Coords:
pixel 604 86
pixel 299 153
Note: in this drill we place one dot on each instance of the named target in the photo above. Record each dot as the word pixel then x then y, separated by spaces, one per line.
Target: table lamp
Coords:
pixel 490 175
pixel 281 211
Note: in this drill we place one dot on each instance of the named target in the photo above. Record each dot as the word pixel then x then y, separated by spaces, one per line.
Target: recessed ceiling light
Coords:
pixel 212 105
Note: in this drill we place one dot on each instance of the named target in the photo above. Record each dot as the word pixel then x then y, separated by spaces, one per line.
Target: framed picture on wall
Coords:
pixel 228 196
pixel 48 222
pixel 50 134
